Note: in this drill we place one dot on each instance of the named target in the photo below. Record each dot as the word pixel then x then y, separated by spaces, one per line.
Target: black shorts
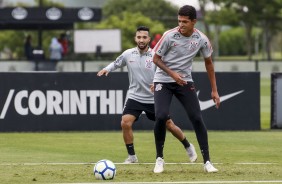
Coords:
pixel 135 108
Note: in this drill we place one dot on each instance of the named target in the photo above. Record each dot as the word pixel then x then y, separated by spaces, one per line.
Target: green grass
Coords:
pixel 28 157
pixel 227 148
pixel 265 92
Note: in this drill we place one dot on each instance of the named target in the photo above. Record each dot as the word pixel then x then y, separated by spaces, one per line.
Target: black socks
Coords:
pixel 130 149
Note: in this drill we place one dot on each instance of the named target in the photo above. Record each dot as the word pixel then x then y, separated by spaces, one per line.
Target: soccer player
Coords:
pixel 174 54
pixel 141 70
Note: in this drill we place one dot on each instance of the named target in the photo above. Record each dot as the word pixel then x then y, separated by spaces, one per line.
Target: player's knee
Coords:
pixel 162 117
pixel 196 119
pixel 125 124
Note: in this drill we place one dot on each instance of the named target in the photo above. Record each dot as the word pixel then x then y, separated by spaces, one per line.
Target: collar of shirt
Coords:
pixel 148 50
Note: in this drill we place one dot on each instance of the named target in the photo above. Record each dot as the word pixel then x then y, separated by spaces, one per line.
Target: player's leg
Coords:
pixel 126 125
pixel 127 132
pixel 188 98
pixel 177 132
pixel 130 115
pixel 163 97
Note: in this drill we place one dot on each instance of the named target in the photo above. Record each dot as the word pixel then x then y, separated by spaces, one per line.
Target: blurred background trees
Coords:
pixel 264 15
pixel 160 10
pixel 251 29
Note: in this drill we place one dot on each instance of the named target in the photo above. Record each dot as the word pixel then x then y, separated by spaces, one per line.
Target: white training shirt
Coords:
pixel 141 70
pixel 177 52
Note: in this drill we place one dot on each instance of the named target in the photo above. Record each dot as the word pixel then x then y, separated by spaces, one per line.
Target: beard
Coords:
pixel 142 47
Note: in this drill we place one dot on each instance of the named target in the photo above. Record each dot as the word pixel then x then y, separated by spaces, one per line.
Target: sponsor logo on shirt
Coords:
pixel 149 54
pixel 176 36
pixel 206 44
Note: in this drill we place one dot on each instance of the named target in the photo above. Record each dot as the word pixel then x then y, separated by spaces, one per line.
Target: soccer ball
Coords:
pixel 104 170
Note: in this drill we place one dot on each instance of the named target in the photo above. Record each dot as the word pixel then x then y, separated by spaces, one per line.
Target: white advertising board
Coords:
pixel 87 41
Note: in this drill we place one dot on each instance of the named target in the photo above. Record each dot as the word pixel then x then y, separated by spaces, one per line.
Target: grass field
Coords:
pixel 70 157
pixel 265 91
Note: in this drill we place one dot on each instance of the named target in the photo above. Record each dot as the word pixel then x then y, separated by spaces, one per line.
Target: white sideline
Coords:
pixel 93 163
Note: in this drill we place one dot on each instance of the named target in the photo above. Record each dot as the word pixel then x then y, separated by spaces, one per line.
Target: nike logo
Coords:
pixel 209 103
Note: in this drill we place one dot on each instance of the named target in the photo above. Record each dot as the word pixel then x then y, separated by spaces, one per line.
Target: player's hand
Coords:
pixel 178 78
pixel 103 72
pixel 215 98
pixel 152 88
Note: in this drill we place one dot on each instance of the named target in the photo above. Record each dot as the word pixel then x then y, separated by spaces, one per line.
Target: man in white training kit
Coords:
pixel 174 54
pixel 141 70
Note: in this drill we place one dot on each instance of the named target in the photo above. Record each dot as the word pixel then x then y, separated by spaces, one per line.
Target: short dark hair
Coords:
pixel 189 11
pixel 143 28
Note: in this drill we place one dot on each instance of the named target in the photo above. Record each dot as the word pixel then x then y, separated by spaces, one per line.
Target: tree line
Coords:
pixel 235 27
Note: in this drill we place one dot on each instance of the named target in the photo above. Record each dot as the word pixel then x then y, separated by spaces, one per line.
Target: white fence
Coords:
pixel 265 67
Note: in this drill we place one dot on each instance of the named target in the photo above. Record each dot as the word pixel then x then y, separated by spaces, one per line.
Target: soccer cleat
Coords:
pixel 208 167
pixel 131 159
pixel 191 152
pixel 159 167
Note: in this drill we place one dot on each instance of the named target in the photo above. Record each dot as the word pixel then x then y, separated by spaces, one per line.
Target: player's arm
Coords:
pixel 211 75
pixel 103 72
pixel 177 77
pixel 152 89
pixel 118 63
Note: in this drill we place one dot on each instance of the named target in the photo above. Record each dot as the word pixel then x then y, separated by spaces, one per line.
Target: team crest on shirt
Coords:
pixel 158 87
pixel 148 64
pixel 193 45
